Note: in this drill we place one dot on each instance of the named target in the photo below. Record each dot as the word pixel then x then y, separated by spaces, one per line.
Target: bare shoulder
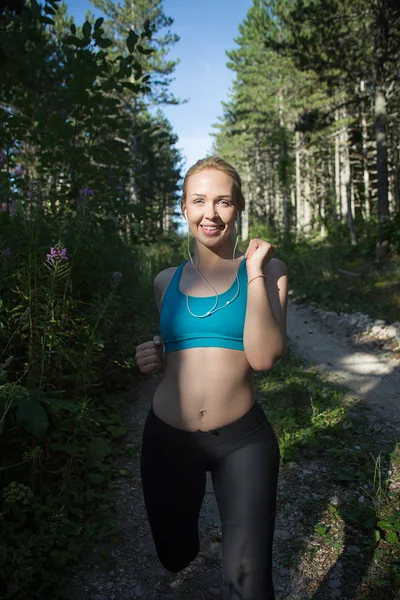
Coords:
pixel 161 282
pixel 164 276
pixel 275 268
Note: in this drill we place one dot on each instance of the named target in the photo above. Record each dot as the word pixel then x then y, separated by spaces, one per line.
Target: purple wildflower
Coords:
pixel 86 193
pixel 6 253
pixel 4 207
pixel 18 170
pixel 57 254
pixel 137 263
pixel 116 278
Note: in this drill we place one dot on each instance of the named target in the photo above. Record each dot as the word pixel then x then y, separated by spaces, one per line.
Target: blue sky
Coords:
pixel 206 28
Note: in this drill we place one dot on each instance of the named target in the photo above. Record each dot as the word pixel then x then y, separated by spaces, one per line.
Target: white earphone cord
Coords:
pixel 213 309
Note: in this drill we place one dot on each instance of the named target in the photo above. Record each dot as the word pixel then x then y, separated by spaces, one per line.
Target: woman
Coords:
pixel 222 316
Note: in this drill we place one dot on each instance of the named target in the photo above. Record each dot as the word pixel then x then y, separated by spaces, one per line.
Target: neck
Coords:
pixel 211 257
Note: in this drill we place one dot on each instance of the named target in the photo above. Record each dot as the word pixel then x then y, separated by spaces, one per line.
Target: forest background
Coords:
pixel 89 194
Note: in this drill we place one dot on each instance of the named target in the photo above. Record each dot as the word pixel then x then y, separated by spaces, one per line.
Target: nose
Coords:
pixel 210 211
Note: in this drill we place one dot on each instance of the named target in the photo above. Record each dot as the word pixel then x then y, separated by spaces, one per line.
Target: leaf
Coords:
pixel 385 524
pixel 104 43
pixel 131 86
pixel 72 28
pixel 55 405
pixel 49 11
pixel 72 39
pixel 35 8
pixel 86 29
pixel 70 449
pixel 132 40
pixel 32 417
pixel 99 22
pixel 145 50
pixel 46 20
pixel 49 576
pixel 95 478
pixel 377 535
pixel 392 538
pixel 116 431
pixel 124 472
pixel 99 448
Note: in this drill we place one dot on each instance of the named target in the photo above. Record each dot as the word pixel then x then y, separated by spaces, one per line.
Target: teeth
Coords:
pixel 210 228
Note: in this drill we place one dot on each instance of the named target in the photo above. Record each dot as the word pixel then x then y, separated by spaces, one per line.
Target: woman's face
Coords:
pixel 210 209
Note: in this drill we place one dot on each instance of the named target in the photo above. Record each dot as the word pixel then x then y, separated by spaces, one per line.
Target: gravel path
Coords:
pixel 372 377
pixel 135 571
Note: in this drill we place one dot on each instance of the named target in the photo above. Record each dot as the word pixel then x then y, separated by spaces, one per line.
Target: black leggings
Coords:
pixel 243 458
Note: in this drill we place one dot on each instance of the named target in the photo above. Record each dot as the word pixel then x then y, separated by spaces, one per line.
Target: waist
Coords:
pixel 190 414
pixel 204 387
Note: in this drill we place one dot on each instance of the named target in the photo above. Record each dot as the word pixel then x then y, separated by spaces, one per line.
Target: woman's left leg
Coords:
pixel 245 484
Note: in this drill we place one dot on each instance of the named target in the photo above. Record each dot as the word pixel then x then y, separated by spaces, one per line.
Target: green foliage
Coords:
pixel 312 117
pixel 80 208
pixel 372 287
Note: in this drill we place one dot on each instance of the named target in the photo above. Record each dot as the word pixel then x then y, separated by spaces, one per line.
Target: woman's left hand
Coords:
pixel 258 254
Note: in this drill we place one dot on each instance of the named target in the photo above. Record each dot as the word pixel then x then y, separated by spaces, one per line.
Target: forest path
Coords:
pixel 134 570
pixel 372 377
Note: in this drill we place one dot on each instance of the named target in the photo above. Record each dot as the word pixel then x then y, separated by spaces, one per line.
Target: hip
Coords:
pixel 170 443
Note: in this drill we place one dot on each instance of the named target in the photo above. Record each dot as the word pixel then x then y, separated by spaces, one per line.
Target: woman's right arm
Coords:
pixel 150 355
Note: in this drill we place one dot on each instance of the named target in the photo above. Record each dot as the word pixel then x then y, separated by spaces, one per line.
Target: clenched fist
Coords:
pixel 149 356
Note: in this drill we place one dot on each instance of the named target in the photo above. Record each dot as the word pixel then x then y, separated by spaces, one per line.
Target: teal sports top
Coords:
pixel 222 329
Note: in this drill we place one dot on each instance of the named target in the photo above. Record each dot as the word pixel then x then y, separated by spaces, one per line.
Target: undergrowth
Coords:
pixel 319 423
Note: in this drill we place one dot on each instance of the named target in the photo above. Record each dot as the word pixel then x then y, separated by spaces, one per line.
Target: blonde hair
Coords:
pixel 216 162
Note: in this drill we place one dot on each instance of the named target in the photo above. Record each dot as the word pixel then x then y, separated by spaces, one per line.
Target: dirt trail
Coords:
pixel 371 377
pixel 135 571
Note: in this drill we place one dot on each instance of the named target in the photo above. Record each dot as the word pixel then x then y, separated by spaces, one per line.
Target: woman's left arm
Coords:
pixel 264 336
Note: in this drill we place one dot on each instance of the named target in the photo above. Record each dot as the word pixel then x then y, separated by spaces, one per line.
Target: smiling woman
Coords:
pixel 204 416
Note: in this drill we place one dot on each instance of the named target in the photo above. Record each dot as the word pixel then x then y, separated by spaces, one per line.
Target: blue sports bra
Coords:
pixel 223 329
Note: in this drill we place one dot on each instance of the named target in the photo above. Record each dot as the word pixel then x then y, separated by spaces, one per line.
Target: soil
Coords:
pixel 299 573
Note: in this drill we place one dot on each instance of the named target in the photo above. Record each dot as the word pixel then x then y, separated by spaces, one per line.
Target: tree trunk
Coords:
pixel 364 150
pixel 332 191
pixel 381 152
pixel 307 224
pixel 283 169
pixel 381 49
pixel 299 199
pixel 344 171
pixel 346 182
pixel 337 173
pixel 244 218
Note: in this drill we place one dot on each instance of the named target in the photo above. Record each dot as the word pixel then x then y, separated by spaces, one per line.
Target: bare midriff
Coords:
pixel 204 388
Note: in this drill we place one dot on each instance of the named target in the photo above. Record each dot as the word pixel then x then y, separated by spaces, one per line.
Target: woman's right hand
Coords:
pixel 149 356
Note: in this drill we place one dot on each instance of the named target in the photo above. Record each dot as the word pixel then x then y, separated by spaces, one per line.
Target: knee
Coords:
pixel 174 562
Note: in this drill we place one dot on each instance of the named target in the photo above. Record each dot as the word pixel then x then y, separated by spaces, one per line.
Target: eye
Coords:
pixel 225 202
pixel 197 200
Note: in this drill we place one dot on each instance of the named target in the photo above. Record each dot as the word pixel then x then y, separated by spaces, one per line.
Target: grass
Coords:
pixel 315 270
pixel 321 428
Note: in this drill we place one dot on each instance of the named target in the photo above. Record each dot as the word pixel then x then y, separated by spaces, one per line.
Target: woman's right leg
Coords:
pixel 173 489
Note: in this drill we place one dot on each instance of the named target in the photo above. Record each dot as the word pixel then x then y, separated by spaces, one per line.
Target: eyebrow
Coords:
pixel 203 195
